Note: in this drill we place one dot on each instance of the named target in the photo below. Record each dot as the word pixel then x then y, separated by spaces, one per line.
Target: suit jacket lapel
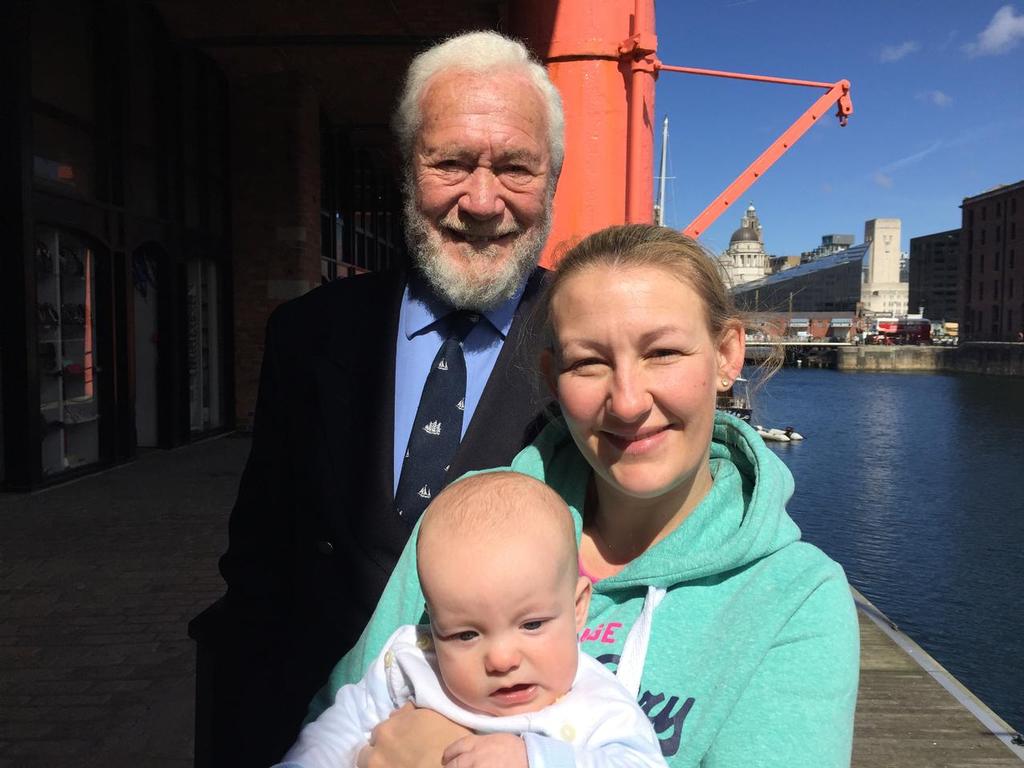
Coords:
pixel 504 418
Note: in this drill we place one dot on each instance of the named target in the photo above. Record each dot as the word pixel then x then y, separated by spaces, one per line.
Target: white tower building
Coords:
pixel 882 293
pixel 745 259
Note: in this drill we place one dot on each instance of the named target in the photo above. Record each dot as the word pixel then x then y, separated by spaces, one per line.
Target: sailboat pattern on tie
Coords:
pixel 438 424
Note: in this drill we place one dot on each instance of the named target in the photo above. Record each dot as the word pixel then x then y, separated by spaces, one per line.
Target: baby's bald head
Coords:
pixel 497 563
pixel 477 513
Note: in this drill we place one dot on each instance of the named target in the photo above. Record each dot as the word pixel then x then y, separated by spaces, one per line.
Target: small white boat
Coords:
pixel 777 435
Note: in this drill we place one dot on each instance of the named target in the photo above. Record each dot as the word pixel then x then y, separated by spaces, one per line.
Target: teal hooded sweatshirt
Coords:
pixel 753 652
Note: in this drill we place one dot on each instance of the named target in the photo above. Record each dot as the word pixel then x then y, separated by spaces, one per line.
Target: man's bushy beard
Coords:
pixel 481 286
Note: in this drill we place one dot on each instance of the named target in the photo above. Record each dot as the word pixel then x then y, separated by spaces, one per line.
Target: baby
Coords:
pixel 498 566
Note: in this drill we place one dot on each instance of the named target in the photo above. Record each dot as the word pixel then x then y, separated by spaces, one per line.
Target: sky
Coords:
pixel 938 99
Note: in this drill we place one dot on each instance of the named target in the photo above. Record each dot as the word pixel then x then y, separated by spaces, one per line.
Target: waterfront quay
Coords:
pixel 99 577
pixel 987 357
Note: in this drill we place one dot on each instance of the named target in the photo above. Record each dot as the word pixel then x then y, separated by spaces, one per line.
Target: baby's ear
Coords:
pixel 583 591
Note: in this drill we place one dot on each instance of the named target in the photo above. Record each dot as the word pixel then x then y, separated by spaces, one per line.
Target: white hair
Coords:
pixel 478 52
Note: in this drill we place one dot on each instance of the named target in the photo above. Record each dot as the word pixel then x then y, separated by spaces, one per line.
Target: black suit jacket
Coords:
pixel 313 536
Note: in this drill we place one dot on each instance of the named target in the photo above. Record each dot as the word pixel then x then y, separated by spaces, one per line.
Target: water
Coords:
pixel 915 484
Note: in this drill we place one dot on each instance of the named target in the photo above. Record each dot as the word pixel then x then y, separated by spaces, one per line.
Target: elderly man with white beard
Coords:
pixel 365 382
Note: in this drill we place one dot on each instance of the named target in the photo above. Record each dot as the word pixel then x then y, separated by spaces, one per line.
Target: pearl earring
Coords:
pixel 725 382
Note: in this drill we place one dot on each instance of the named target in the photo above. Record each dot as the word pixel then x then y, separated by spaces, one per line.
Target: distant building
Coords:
pixel 934 275
pixel 779 263
pixel 991 301
pixel 831 283
pixel 821 326
pixel 829 244
pixel 745 258
pixel 882 293
pixel 863 279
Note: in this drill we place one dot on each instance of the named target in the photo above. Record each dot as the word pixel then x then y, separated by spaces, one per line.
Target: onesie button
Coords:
pixel 389 659
pixel 568 733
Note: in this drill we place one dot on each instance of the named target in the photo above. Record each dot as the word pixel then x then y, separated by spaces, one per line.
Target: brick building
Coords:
pixel 935 274
pixel 991 300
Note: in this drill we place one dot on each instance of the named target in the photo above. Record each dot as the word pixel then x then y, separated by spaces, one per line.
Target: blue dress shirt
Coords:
pixel 417 344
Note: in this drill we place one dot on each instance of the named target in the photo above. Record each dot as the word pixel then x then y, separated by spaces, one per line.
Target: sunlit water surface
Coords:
pixel 915 484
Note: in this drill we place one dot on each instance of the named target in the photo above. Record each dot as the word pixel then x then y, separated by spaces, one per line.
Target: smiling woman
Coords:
pixel 739 641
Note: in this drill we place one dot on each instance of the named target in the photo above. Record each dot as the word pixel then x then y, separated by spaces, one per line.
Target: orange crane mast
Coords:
pixel 603 59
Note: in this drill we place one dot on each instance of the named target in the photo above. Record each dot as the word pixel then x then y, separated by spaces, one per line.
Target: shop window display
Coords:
pixel 66 335
pixel 204 364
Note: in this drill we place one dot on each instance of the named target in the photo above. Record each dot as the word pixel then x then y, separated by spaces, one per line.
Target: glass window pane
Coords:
pixel 63 155
pixel 66 341
pixel 206 396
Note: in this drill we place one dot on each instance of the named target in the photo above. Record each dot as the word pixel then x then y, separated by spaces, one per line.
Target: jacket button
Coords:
pixel 325 547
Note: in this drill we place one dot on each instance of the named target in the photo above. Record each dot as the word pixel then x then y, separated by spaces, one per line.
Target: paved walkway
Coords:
pixel 98 580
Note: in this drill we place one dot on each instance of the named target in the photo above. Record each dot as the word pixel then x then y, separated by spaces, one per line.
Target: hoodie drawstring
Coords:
pixel 634 650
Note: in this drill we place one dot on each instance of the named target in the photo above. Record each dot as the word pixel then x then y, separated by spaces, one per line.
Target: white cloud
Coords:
pixel 916 157
pixel 936 97
pixel 883 176
pixel 950 37
pixel 1002 33
pixel 897 52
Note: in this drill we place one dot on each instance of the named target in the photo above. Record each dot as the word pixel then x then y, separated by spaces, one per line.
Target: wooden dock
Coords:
pixel 911 713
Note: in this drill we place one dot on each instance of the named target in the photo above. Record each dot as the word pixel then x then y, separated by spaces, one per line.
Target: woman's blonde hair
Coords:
pixel 631 246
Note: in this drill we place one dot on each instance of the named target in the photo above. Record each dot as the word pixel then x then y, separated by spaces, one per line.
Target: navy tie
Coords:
pixel 437 429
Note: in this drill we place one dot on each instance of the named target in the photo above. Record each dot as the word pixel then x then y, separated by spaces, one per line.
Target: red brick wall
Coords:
pixel 275 211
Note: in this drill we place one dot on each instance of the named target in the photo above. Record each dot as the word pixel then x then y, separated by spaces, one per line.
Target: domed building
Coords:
pixel 745 258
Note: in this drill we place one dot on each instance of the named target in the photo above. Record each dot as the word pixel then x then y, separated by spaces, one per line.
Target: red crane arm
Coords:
pixel 837 92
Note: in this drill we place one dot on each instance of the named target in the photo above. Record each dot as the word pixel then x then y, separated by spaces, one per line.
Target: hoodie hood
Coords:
pixel 742 519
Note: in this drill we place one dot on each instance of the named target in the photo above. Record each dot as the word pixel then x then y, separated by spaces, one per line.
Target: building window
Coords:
pixel 981 263
pixel 206 395
pixel 983 236
pixel 999 209
pixel 999 235
pixel 1011 258
pixel 984 213
pixel 66 339
pixel 980 289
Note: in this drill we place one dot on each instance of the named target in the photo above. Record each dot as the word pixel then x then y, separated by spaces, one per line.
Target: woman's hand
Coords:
pixel 496 750
pixel 410 738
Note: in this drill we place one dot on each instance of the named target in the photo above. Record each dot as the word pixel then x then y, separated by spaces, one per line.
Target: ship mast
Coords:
pixel 659 209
